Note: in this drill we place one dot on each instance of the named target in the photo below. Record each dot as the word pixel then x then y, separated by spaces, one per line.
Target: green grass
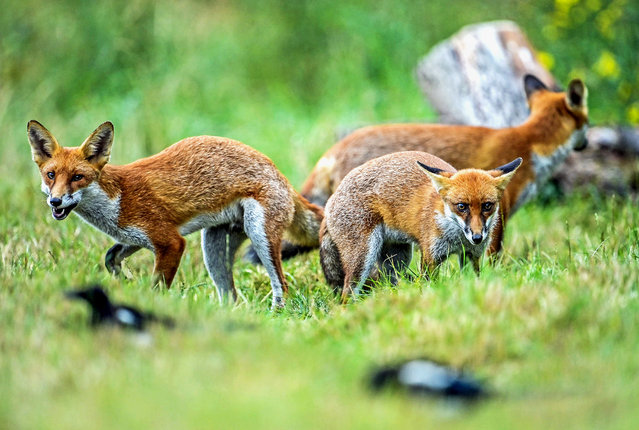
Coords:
pixel 551 327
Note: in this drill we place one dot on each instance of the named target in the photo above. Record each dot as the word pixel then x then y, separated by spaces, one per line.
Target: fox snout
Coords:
pixel 62 206
pixel 474 237
pixel 475 229
pixel 581 139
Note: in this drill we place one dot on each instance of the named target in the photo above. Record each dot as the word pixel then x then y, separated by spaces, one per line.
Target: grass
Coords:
pixel 550 327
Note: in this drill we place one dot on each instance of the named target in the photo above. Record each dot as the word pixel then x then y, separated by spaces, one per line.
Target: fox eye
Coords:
pixel 51 175
pixel 462 207
pixel 486 207
pixel 76 178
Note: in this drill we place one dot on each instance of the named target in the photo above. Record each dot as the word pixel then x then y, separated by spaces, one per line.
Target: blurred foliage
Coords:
pixel 599 38
pixel 281 76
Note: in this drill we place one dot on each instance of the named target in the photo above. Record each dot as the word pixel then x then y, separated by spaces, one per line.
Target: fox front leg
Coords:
pixel 168 254
pixel 465 257
pixel 497 237
pixel 475 261
pixel 115 255
pixel 428 266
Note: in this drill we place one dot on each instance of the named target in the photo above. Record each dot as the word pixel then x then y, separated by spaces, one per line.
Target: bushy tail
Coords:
pixel 304 230
pixel 330 260
pixel 317 187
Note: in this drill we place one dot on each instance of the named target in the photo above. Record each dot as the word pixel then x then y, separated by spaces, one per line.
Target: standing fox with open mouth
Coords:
pixel 222 187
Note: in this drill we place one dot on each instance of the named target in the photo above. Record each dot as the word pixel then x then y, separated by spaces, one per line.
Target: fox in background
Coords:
pixel 557 124
pixel 389 203
pixel 222 187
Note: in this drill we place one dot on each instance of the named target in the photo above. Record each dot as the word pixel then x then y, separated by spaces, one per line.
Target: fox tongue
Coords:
pixel 60 214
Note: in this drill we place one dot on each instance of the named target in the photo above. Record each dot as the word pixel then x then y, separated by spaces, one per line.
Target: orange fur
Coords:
pixel 200 182
pixel 391 201
pixel 556 120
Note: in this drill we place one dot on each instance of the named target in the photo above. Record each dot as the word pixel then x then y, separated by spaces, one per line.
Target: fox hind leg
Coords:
pixel 361 264
pixel 396 258
pixel 219 246
pixel 267 248
pixel 289 250
pixel 330 260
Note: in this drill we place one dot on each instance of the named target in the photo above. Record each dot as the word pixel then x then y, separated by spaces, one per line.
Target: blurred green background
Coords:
pixel 281 76
pixel 552 325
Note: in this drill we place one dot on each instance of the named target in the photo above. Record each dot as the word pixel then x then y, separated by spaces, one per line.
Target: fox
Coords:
pixel 383 207
pixel 557 124
pixel 216 185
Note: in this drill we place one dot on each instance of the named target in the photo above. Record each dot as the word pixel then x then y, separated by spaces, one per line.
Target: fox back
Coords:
pixel 557 124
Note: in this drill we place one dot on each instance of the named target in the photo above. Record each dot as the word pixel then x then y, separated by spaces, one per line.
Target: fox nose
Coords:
pixel 582 145
pixel 55 202
pixel 477 238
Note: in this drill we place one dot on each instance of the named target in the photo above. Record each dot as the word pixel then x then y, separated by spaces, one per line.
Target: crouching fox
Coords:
pixel 222 187
pixel 391 202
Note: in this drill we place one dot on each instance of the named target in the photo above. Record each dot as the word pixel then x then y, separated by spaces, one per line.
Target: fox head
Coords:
pixel 67 172
pixel 471 197
pixel 571 106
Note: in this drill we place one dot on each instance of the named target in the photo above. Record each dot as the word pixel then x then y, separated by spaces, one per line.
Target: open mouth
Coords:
pixel 61 213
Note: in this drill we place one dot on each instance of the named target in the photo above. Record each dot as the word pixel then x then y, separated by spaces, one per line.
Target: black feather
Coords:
pixel 104 312
pixel 427 377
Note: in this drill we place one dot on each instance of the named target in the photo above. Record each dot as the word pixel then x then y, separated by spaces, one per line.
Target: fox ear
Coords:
pixel 577 94
pixel 97 147
pixel 532 84
pixel 503 174
pixel 43 144
pixel 440 178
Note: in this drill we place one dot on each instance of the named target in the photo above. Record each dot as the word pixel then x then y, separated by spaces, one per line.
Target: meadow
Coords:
pixel 551 327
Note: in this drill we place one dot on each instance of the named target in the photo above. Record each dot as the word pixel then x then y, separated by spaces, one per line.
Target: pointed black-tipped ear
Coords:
pixel 507 168
pixel 532 84
pixel 503 174
pixel 440 178
pixel 42 142
pixel 434 170
pixel 97 147
pixel 576 94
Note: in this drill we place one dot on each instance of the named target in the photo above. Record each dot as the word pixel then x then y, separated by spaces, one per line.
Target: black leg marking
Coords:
pixel 115 255
pixel 396 258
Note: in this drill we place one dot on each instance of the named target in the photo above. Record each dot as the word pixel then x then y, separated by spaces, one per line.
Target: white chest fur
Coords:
pixel 96 208
pixel 545 166
pixel 453 240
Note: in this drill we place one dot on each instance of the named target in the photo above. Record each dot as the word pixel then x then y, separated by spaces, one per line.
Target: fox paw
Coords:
pixel 277 304
pixel 111 261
